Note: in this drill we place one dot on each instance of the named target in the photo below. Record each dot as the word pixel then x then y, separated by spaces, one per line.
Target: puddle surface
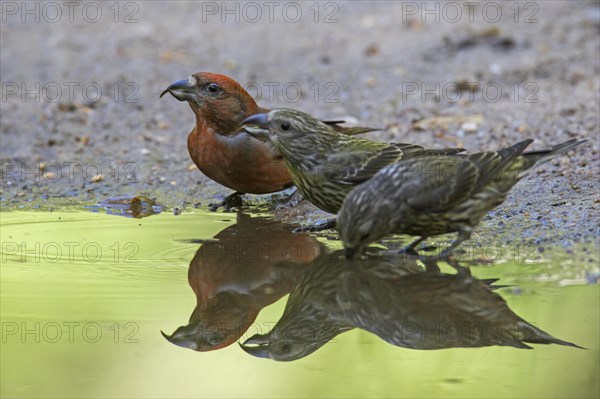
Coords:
pixel 85 296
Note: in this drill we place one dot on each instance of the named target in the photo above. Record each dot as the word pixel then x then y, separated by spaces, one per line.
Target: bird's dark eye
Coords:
pixel 285 348
pixel 215 338
pixel 285 126
pixel 213 87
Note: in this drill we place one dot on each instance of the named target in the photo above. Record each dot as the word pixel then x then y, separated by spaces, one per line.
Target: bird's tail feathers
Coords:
pixel 535 158
pixel 534 335
pixel 490 283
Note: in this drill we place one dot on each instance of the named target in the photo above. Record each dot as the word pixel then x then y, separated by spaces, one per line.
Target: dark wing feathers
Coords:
pixel 363 160
pixel 355 167
pixel 444 182
pixel 440 183
pixel 414 150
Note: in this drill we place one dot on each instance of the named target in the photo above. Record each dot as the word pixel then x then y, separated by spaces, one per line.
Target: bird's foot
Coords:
pixel 328 224
pixel 412 247
pixel 442 256
pixel 231 201
pixel 290 201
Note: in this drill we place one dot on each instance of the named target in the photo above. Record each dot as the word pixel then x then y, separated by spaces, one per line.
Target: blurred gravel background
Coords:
pixel 533 73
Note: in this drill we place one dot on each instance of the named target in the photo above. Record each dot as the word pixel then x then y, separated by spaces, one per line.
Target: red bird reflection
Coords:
pixel 246 267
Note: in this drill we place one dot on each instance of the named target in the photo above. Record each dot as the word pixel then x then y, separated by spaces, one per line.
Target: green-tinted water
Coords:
pixel 84 297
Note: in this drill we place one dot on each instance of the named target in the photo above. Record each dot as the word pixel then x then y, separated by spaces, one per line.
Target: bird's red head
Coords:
pixel 218 101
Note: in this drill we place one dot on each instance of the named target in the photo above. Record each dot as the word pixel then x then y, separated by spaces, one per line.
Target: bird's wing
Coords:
pixel 436 184
pixel 414 150
pixel 356 160
pixel 359 162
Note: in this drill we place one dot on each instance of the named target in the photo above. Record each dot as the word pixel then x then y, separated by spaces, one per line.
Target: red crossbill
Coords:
pixel 224 152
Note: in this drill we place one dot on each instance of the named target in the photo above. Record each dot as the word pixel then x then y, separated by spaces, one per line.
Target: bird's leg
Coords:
pixel 294 198
pixel 460 270
pixel 231 201
pixel 410 248
pixel 463 235
pixel 431 266
pixel 328 224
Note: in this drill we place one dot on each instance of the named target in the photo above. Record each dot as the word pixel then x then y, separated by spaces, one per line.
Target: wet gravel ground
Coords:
pixel 473 82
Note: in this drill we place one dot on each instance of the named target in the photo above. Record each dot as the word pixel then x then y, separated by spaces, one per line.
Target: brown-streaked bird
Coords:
pixel 433 310
pixel 223 151
pixel 312 316
pixel 324 164
pixel 388 295
pixel 244 268
pixel 430 196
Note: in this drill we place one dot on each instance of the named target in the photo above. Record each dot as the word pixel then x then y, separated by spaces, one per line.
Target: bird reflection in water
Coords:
pixel 393 297
pixel 246 267
pixel 312 315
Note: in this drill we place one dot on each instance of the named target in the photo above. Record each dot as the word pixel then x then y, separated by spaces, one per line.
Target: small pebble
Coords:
pixel 469 127
pixel 495 69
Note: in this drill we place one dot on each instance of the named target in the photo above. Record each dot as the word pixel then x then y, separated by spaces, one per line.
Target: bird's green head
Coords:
pixel 290 131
